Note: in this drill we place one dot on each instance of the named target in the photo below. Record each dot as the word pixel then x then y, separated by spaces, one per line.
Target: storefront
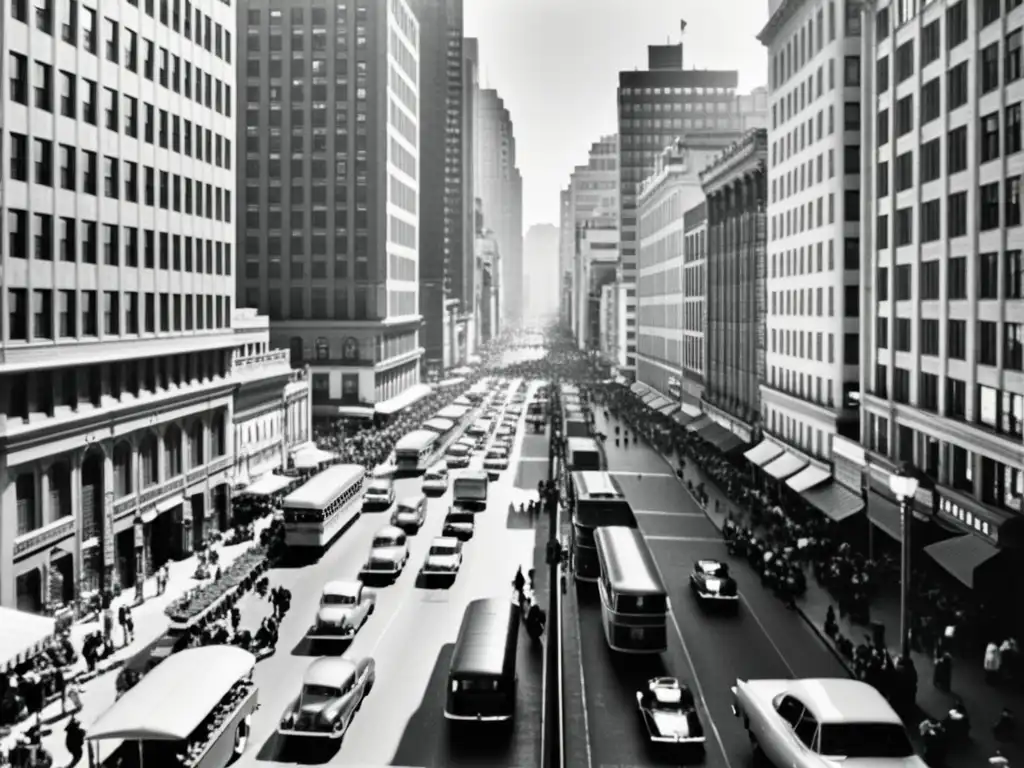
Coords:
pixel 884 508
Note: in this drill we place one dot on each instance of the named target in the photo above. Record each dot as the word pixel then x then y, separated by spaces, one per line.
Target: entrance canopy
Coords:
pixel 311 458
pixel 23 636
pixel 170 702
pixel 786 465
pixel 268 485
pixel 960 557
pixel 834 501
pixel 451 382
pixel 808 477
pixel 763 452
pixel 412 395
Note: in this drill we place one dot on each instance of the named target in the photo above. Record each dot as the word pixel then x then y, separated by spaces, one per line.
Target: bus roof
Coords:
pixel 416 440
pixel 570 389
pixel 574 444
pixel 318 491
pixel 452 412
pixel 626 562
pixel 438 424
pixel 487 639
pixel 473 474
pixel 596 485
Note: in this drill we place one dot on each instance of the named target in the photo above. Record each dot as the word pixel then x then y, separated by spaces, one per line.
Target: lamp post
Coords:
pixel 140 561
pixel 903 483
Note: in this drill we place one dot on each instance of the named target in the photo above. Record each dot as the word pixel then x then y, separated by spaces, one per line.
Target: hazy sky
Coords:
pixel 556 64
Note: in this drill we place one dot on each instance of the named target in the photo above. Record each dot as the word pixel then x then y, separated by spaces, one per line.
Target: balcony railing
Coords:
pixel 278 358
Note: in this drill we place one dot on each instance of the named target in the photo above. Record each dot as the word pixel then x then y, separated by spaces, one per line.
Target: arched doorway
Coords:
pixel 91 494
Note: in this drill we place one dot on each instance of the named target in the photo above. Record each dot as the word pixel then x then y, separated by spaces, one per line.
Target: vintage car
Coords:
pixel 711 582
pixel 479 427
pixel 379 494
pixel 410 514
pixel 458 456
pixel 505 430
pixel 344 608
pixel 669 712
pixel 435 479
pixel 332 691
pixel 459 524
pixel 495 461
pixel 818 722
pixel 389 552
pixel 443 557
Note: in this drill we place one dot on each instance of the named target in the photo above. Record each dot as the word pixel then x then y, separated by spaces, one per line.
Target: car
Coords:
pixel 410 515
pixel 435 479
pixel 332 691
pixel 458 524
pixel 479 427
pixel 389 552
pixel 495 461
pixel 458 456
pixel 444 556
pixel 379 494
pixel 344 608
pixel 819 722
pixel 711 581
pixel 505 430
pixel 669 712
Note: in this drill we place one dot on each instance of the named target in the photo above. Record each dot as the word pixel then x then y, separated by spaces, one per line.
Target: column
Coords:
pixel 43 489
pixel 75 502
pixel 107 542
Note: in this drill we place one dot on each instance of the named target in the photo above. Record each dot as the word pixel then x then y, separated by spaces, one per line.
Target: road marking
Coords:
pixel 583 688
pixel 691 539
pixel 533 458
pixel 640 474
pixel 383 632
pixel 764 630
pixel 668 514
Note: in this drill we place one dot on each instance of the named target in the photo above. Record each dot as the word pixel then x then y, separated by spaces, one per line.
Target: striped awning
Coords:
pixel 763 452
pixel 786 465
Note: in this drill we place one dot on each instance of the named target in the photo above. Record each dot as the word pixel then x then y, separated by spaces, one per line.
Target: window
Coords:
pixel 905 61
pixel 1013 128
pixel 851 71
pixel 901 340
pixel 903 282
pixel 904 171
pixel 1013 346
pixel 1014 273
pixel 900 385
pixel 931 98
pixel 956 85
pixel 883 127
pixel 956 24
pixel 882 232
pixel 931 44
pixel 990 137
pixel 883 178
pixel 931 226
pixel 931 160
pixel 111 313
pixel 956 149
pixel 904 227
pixel 42 314
pixel 1012 60
pixel 988 68
pixel 928 280
pixel 928 392
pixel 988 202
pixel 956 216
pixel 43 87
pixel 929 336
pixel 882 74
pixel 111 43
pixel 988 342
pixel 851 116
pixel 1011 204
pixel 882 332
pixel 957 278
pixel 905 115
pixel 956 339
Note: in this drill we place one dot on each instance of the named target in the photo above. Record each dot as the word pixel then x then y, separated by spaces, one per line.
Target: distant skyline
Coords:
pixel 556 65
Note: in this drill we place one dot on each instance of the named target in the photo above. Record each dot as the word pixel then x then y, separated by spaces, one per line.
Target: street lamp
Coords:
pixel 903 483
pixel 140 555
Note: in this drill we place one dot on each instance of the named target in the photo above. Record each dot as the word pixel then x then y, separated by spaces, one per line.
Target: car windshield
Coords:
pixel 316 694
pixel 379 487
pixel 859 740
pixel 496 454
pixel 387 541
pixel 333 599
pixel 458 450
pixel 721 570
pixel 442 549
pixel 460 517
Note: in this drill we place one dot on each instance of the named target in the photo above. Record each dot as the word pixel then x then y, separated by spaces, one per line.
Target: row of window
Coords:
pixel 956 278
pixel 955 341
pixel 316 303
pixel 78 314
pixel 808 41
pixel 813 389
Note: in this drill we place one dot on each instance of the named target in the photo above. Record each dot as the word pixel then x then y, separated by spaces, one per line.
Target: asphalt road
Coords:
pixel 708 649
pixel 411 636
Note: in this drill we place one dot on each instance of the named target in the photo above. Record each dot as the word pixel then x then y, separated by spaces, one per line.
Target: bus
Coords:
pixel 469 489
pixel 575 423
pixel 482 675
pixel 458 414
pixel 634 603
pixel 537 412
pixel 583 454
pixel 414 450
pixel 323 507
pixel 595 499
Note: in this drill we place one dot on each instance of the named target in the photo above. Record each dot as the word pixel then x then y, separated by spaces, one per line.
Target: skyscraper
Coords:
pixel 328 222
pixel 657 106
pixel 443 156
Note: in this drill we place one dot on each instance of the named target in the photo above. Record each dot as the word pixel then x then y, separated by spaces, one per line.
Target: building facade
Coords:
pixel 442 156
pixel 117 288
pixel 499 185
pixel 942 298
pixel 329 216
pixel 811 391
pixel 655 107
pixel 597 255
pixel 694 307
pixel 735 186
pixel 540 272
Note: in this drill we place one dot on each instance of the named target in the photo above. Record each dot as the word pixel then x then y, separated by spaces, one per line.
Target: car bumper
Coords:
pixel 381 570
pixel 376 504
pixel 714 597
pixel 290 732
pixel 677 740
pixel 477 718
pixel 331 634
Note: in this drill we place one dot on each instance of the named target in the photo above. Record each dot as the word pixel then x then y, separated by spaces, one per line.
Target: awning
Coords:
pixel 639 388
pixel 311 458
pixel 715 434
pixel 730 442
pixel 885 515
pixel 167 504
pixel 682 417
pixel 439 425
pixel 834 501
pixel 669 408
pixel 23 636
pixel 784 466
pixel 301 447
pixel 693 411
pixel 170 702
pixel 354 411
pixel 268 485
pixel 698 424
pixel 451 383
pixel 399 402
pixel 961 556
pixel 658 402
pixel 650 397
pixel 808 478
pixel 462 400
pixel 763 453
pixel 464 370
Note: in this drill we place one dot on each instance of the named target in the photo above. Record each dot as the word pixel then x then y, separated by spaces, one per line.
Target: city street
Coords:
pixel 411 636
pixel 706 649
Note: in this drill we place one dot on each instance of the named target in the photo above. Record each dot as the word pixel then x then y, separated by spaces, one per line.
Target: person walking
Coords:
pixel 992 663
pixel 74 739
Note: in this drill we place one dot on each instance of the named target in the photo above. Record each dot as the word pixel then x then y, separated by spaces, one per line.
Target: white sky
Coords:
pixel 556 65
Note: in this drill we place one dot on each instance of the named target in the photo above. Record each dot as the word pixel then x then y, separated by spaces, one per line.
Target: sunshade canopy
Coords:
pixel 23 635
pixel 412 395
pixel 808 477
pixel 312 457
pixel 834 501
pixel 763 452
pixel 960 557
pixel 784 466
pixel 268 484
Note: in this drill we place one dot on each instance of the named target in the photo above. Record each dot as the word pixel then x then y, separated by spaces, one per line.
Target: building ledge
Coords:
pixel 405 357
pixel 402 320
pixel 266 364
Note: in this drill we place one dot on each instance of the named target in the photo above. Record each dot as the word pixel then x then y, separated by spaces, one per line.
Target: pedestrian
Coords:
pixel 60 686
pixel 74 739
pixel 1009 654
pixel 75 696
pixel 236 618
pixel 992 663
pixel 129 625
pixel 942 676
pixel 122 621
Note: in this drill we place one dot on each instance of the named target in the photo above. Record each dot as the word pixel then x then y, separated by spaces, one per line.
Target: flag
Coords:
pixel 682 25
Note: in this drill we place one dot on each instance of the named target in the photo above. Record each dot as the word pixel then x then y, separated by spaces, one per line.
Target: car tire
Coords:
pixel 242 731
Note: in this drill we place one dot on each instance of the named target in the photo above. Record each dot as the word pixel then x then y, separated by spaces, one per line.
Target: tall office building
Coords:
pixel 499 186
pixel 566 235
pixel 655 107
pixel 443 170
pixel 942 299
pixel 328 220
pixel 116 345
pixel 811 391
pixel 540 272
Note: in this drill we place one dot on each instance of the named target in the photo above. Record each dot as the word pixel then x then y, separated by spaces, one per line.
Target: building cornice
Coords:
pixel 778 20
pixel 749 154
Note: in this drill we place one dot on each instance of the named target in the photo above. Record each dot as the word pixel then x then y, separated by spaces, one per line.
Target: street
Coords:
pixel 411 636
pixel 708 650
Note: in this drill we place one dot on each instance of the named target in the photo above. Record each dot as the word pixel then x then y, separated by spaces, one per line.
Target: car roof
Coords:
pixel 380 482
pixel 343 588
pixel 706 563
pixel 410 501
pixel 445 541
pixel 838 700
pixel 390 531
pixel 438 469
pixel 331 671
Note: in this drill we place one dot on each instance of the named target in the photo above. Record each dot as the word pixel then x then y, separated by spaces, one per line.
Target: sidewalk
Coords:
pixel 98 689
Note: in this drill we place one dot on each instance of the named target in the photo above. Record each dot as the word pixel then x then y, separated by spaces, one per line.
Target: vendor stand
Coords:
pixel 193 711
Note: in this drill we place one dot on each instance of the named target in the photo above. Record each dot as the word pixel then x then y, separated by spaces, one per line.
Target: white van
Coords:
pixel 435 479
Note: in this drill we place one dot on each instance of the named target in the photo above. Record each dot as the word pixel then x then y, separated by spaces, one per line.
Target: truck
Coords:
pixel 469 490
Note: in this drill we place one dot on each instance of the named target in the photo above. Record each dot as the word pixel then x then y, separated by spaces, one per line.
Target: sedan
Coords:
pixel 332 691
pixel 458 524
pixel 389 553
pixel 444 557
pixel 711 582
pixel 344 608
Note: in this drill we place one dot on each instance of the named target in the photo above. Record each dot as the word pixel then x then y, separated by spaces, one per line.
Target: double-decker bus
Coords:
pixel 634 603
pixel 414 450
pixel 596 499
pixel 323 507
pixel 583 454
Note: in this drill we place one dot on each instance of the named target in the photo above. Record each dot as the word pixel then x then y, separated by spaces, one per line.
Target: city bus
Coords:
pixel 469 489
pixel 482 675
pixel 458 414
pixel 323 507
pixel 414 450
pixel 583 454
pixel 595 499
pixel 575 422
pixel 634 603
